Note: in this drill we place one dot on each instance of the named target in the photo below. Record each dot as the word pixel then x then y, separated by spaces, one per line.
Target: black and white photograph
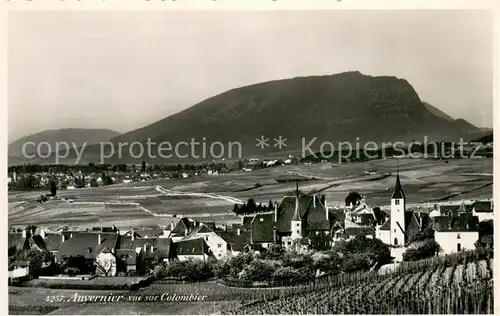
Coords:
pixel 234 162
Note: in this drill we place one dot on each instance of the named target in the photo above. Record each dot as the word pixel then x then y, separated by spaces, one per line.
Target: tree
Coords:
pixel 236 209
pixel 251 206
pixel 93 182
pixel 274 252
pixel 286 274
pixel 105 267
pixel 37 260
pixel 259 270
pixel 428 249
pixel 53 187
pixel 353 198
pixel 374 248
pixel 160 272
pixel 356 262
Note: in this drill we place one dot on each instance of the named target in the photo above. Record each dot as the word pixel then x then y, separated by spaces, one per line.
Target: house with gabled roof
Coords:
pixel 296 217
pixel 196 249
pixel 217 245
pixel 238 240
pixel 483 210
pixel 95 248
pixel 25 240
pixel 456 232
pixel 183 228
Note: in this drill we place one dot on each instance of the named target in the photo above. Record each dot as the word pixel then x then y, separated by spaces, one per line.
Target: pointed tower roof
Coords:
pixel 296 214
pixel 462 208
pixel 398 189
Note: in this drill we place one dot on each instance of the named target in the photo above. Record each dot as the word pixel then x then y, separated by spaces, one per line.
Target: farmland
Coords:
pixel 213 197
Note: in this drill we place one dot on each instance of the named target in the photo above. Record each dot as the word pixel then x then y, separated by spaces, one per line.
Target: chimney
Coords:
pixel 152 248
pixel 145 247
pixel 42 233
pixel 99 239
pixel 25 234
pixel 327 213
pixel 133 234
pixel 238 231
pixel 275 215
pixel 63 237
pixel 314 200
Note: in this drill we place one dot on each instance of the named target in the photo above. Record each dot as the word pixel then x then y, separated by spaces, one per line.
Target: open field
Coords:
pixel 212 197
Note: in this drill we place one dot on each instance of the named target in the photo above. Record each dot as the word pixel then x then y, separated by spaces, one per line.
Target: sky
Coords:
pixel 123 70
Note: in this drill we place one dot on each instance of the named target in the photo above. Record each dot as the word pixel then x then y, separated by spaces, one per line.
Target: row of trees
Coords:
pixel 283 266
pixel 250 207
pixel 98 168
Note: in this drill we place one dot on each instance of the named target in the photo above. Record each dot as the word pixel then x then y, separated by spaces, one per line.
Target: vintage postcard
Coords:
pixel 275 160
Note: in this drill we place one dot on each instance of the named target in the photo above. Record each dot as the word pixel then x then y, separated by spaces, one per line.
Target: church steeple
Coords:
pixel 296 222
pixel 398 189
pixel 296 214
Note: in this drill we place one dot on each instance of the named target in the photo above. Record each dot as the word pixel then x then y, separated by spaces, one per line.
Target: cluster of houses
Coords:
pixel 298 222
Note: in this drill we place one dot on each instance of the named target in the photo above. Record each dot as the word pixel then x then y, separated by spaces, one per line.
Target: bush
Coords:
pixel 259 270
pixel 356 262
pixel 287 275
pixel 160 272
pixel 192 270
pixel 426 250
pixel 373 248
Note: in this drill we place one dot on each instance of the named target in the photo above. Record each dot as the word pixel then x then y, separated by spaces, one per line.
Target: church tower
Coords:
pixel 398 214
pixel 296 221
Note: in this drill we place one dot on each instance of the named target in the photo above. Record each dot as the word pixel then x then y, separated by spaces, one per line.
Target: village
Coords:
pixel 298 223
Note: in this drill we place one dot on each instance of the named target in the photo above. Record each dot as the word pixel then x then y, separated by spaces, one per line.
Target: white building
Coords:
pixel 455 241
pixel 456 231
pixel 218 246
pixel 192 249
pixel 483 210
pixel 397 229
pixel 401 226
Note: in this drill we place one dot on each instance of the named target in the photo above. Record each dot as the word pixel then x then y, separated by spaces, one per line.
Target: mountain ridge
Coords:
pixel 78 136
pixel 348 106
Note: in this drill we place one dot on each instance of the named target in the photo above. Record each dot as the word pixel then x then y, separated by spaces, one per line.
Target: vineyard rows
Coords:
pixel 436 289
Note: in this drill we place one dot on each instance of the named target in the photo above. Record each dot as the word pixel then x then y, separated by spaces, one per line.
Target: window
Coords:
pixel 298 232
pixel 220 255
pixel 458 236
pixel 396 202
pixel 298 224
pixel 459 247
pixel 394 229
pixel 395 241
pixel 206 238
pixel 289 243
pixel 219 245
